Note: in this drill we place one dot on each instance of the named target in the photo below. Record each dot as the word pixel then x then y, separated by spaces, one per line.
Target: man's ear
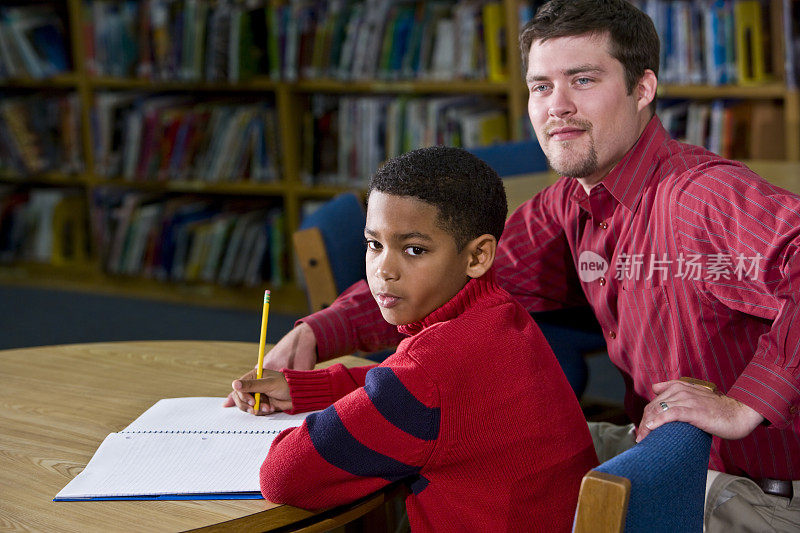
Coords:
pixel 646 89
pixel 481 255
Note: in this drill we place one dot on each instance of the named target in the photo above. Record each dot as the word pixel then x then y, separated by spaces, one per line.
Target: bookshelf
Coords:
pixel 728 75
pixel 283 103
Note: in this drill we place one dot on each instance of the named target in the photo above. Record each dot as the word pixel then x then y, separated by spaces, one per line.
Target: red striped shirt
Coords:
pixel 701 279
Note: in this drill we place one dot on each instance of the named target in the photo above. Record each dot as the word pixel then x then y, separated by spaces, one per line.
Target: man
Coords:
pixel 688 261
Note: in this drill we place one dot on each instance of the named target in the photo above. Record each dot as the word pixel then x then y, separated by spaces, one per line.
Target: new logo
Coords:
pixel 591 266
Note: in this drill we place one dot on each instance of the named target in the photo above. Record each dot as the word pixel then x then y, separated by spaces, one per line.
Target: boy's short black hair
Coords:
pixel 467 192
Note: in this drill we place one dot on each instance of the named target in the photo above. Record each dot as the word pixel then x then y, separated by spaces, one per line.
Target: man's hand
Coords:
pixel 710 411
pixel 296 350
pixel 273 388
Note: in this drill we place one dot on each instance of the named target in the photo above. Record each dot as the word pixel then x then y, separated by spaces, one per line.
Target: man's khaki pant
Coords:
pixel 733 504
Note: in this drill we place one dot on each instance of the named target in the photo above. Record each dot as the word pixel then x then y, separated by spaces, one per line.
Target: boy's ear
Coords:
pixel 481 255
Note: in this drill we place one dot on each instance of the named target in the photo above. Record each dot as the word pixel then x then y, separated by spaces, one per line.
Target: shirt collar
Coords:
pixel 629 178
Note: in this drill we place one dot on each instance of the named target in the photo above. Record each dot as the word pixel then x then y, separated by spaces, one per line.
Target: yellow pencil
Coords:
pixel 262 341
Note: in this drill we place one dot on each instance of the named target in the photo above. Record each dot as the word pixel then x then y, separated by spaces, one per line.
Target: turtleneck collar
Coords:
pixel 476 289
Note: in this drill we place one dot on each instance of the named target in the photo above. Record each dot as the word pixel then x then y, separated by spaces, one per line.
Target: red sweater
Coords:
pixel 472 410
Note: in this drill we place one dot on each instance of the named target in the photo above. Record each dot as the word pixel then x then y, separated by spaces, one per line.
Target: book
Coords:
pixel 791 42
pixel 17 23
pixel 716 35
pixel 443 61
pixel 70 239
pixel 767 131
pixel 122 217
pixel 145 220
pixel 40 211
pixel 697 121
pixel 16 118
pixel 484 127
pixel 716 127
pixel 749 41
pixel 181 449
pixel 494 35
pixel 13 221
pixel 468 62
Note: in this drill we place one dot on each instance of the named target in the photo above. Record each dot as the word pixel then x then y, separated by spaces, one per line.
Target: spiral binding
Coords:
pixel 208 432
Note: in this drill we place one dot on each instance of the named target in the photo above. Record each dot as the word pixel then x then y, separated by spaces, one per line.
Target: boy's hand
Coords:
pixel 296 350
pixel 273 388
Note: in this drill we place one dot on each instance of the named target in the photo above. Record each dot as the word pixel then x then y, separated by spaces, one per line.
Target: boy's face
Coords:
pixel 413 266
pixel 579 106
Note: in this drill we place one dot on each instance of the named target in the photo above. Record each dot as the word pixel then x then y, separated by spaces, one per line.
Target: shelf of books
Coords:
pixel 171 147
pixel 728 75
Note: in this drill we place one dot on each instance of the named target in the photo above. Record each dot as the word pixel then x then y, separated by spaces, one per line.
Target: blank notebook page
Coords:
pixel 181 446
pixel 206 415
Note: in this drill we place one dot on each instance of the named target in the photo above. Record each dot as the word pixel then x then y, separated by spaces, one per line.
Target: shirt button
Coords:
pixel 603 225
pixel 602 281
pixel 612 334
pixel 793 409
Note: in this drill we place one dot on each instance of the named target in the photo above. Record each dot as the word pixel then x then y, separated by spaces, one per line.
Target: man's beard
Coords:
pixel 572 167
pixel 571 164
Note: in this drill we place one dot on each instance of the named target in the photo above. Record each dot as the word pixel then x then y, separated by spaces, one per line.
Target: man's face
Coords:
pixel 580 108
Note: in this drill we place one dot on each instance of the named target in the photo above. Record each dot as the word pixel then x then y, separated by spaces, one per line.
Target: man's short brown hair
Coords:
pixel 633 36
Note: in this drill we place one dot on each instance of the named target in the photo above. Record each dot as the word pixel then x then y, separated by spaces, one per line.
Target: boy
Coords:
pixel 473 409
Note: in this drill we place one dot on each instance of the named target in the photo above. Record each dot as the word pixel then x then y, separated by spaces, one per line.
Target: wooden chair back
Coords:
pixel 309 248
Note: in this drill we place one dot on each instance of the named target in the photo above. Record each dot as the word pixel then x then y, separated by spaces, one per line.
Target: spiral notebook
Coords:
pixel 181 449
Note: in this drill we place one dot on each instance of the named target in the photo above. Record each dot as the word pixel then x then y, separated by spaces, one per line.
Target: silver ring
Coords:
pixel 664 406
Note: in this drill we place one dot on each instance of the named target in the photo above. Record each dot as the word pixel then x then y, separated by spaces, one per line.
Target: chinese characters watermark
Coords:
pixel 694 267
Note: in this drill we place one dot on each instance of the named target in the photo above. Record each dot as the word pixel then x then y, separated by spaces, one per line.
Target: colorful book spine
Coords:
pixel 494 28
pixel 750 41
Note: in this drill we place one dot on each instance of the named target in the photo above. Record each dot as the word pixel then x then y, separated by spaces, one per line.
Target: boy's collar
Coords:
pixel 474 290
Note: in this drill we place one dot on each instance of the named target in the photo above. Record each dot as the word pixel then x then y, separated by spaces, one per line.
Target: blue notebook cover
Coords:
pixel 167 497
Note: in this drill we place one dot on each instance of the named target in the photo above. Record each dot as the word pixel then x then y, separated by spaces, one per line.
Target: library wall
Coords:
pixel 171 147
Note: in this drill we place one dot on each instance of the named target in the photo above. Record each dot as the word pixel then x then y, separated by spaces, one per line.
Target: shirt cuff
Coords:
pixel 770 390
pixel 310 389
pixel 330 339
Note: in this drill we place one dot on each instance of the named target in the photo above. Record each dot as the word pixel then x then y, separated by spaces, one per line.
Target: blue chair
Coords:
pixel 656 486
pixel 513 158
pixel 330 248
pixel 573 334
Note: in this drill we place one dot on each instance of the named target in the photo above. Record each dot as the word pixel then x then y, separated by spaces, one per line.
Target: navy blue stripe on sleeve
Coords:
pixel 420 484
pixel 337 446
pixel 397 405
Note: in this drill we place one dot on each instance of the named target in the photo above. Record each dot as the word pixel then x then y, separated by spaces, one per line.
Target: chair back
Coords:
pixel 513 158
pixel 658 485
pixel 329 247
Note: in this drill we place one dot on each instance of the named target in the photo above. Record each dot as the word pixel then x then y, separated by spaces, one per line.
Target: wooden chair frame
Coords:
pixel 310 250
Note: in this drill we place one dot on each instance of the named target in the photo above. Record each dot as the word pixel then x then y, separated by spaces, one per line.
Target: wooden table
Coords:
pixel 57 404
